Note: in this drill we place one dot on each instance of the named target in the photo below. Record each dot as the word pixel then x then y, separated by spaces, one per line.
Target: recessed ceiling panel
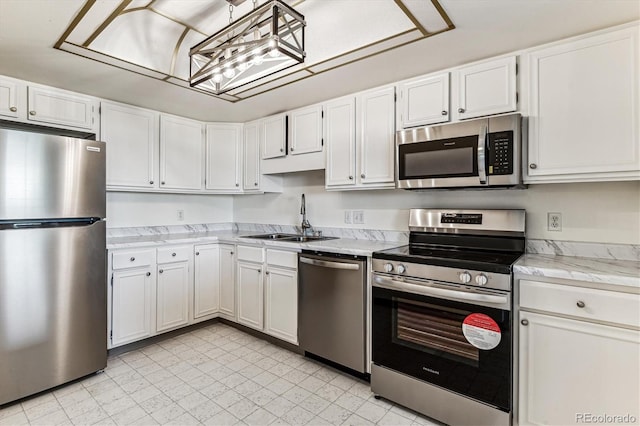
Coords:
pixel 427 15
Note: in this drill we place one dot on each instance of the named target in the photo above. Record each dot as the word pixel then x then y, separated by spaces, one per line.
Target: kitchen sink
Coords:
pixel 290 237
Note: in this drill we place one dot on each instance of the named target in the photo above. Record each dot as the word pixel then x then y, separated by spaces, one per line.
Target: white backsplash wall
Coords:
pixel 126 209
pixel 594 212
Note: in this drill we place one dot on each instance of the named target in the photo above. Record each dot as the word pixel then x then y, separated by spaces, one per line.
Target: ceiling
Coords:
pixel 483 28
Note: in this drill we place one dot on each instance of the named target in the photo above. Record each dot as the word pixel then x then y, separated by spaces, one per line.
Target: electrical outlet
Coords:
pixel 348 216
pixel 180 214
pixel 554 221
pixel 358 216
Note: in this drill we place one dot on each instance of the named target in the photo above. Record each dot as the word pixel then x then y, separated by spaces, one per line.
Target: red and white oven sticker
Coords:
pixel 481 331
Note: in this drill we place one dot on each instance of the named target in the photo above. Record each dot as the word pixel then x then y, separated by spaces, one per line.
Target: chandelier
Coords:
pixel 266 40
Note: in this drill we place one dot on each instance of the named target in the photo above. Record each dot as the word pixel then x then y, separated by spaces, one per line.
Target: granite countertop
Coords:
pixel 359 247
pixel 602 271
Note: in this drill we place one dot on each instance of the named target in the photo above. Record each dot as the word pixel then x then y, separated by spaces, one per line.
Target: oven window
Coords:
pixel 432 329
pixel 457 161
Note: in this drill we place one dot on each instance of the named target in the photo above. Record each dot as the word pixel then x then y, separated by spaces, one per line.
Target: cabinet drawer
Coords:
pixel 593 304
pixel 132 259
pixel 288 259
pixel 251 254
pixel 173 254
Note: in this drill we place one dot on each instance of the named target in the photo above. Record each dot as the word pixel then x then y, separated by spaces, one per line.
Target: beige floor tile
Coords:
pixel 18 418
pixel 242 408
pixel 371 412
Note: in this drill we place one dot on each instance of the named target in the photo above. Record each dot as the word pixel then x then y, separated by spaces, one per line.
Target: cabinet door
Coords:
pixel 281 303
pixel 132 305
pixel 274 134
pixel 9 98
pixel 568 368
pixel 181 149
pixel 224 157
pixel 305 130
pixel 488 88
pixel 424 101
pixel 584 107
pixel 250 294
pixel 376 139
pixel 206 284
pixel 251 169
pixel 131 135
pixel 340 132
pixel 227 281
pixel 60 107
pixel 172 296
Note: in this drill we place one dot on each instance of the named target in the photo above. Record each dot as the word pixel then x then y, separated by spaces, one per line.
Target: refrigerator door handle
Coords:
pixel 48 223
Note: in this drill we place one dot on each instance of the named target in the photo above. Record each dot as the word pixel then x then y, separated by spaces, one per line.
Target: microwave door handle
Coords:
pixel 482 148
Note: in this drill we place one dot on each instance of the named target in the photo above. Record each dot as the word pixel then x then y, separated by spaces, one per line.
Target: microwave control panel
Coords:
pixel 500 153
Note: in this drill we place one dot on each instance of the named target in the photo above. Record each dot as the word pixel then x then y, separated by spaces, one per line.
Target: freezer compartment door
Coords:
pixel 46 176
pixel 53 307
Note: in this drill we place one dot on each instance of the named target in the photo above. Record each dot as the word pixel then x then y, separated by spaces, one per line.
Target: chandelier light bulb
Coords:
pixel 229 72
pixel 217 78
pixel 274 53
pixel 258 59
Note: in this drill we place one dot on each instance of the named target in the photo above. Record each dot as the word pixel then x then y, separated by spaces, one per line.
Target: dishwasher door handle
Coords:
pixel 328 264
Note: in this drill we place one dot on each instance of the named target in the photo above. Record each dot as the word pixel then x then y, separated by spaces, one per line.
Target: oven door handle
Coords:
pixel 482 167
pixel 426 290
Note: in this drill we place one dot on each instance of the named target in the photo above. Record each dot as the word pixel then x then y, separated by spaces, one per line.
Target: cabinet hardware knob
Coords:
pixel 350 177
pixel 13 109
pixel 132 259
pixel 32 113
pixel 255 184
pixel 151 182
pixel 173 254
pixel 237 184
pixel 444 113
pixel 162 183
pixel 148 274
pixel 580 304
pixel 292 149
pixel 524 322
pixel 460 110
pixel 362 176
pixel 259 271
pixel 231 253
pixel 161 270
pixel 533 166
pixel 197 253
pixel 281 149
pixel 266 272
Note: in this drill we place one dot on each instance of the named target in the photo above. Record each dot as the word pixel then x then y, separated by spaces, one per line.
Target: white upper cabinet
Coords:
pixel 305 130
pixel 486 88
pixel 584 109
pixel 181 153
pixel 340 133
pixel 251 168
pixel 55 106
pixel 10 102
pixel 376 137
pixel 131 135
pixel 274 136
pixel 424 101
pixel 224 157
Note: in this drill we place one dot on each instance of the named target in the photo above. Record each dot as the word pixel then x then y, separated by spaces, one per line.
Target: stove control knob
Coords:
pixel 481 279
pixel 388 267
pixel 401 269
pixel 465 277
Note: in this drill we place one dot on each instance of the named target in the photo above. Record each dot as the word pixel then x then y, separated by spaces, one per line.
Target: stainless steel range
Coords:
pixel 442 322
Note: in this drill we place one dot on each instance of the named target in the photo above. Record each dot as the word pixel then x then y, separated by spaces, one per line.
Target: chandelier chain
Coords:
pixel 230 13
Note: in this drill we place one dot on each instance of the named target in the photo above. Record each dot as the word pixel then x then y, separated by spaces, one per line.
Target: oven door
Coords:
pixel 448 335
pixel 442 156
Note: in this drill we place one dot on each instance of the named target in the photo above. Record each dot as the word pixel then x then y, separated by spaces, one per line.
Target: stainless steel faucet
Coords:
pixel 307 229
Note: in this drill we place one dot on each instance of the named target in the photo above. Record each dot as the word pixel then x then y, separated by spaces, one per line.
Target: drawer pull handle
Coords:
pixel 161 270
pixel 173 254
pixel 133 259
pixel 148 274
pixel 580 304
pixel 524 322
pixel 13 109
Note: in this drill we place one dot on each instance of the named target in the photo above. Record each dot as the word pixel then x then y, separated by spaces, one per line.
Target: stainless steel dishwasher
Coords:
pixel 332 310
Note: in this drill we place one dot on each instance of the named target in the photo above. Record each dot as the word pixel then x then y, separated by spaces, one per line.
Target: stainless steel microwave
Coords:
pixel 479 153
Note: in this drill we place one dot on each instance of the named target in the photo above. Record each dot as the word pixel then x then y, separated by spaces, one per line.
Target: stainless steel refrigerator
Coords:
pixel 53 286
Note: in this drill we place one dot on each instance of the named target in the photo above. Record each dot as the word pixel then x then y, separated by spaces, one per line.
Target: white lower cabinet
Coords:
pixel 206 281
pixel 227 281
pixel 132 295
pixel 281 303
pixel 250 294
pixel 574 361
pixel 174 283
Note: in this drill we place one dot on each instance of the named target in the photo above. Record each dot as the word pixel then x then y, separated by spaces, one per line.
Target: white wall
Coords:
pixel 594 212
pixel 126 209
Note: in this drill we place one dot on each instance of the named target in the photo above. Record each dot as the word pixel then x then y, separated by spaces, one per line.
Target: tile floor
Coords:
pixel 215 375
